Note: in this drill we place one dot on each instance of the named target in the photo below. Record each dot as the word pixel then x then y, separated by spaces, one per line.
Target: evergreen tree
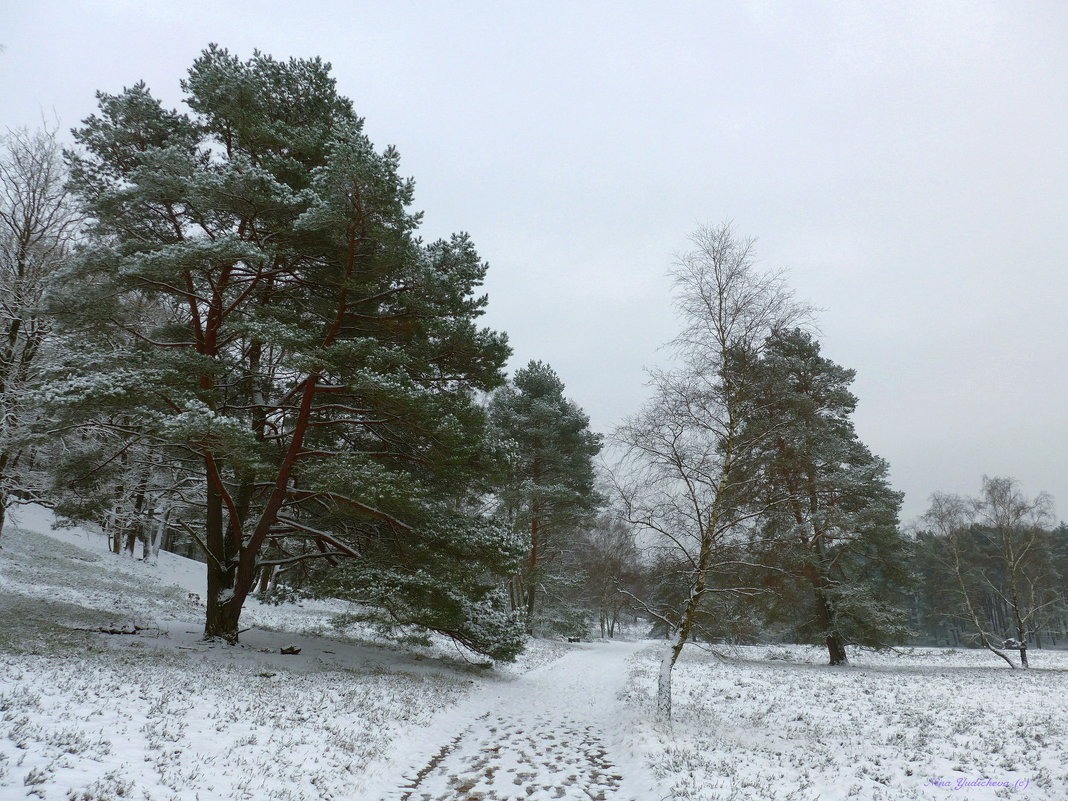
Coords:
pixel 257 305
pixel 829 514
pixel 547 489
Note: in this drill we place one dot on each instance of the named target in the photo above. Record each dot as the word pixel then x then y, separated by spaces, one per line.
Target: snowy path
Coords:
pixel 555 733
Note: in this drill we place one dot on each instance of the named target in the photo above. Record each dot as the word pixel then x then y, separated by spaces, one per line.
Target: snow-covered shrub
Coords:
pixel 109 787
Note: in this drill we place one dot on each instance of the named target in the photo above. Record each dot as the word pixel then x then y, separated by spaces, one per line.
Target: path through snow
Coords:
pixel 555 733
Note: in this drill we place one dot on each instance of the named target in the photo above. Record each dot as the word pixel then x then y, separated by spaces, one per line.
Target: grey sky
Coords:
pixel 907 162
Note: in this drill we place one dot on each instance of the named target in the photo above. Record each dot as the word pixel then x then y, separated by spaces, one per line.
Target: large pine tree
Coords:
pixel 259 307
pixel 829 517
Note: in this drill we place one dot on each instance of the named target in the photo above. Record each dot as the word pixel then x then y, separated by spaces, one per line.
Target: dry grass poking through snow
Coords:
pixel 85 728
pixel 774 724
pixel 163 717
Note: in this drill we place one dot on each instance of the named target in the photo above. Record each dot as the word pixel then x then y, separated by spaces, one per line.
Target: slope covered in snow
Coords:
pixel 161 715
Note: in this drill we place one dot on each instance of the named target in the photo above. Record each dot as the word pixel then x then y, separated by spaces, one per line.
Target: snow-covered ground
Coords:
pixel 778 724
pixel 161 716
pixel 558 732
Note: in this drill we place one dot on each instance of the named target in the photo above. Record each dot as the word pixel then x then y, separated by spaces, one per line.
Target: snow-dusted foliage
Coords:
pixel 38 225
pixel 260 317
pixel 827 533
pixel 545 492
pixel 431 591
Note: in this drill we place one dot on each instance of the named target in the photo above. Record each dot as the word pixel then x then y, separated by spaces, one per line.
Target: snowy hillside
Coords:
pixel 157 715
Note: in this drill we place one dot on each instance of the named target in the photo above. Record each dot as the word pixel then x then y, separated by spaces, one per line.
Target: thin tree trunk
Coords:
pixel 159 532
pixel 5 500
pixel 972 612
pixel 1017 615
pixel 1021 638
pixel 532 567
pixel 663 688
pixel 5 497
pixel 114 532
pixel 266 573
pixel 697 590
pixel 222 617
pixel 516 593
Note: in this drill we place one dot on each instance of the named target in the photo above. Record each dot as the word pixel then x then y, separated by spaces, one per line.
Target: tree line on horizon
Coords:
pixel 224 336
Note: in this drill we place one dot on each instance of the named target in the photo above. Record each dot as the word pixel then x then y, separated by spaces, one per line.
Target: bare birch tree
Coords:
pixel 37 227
pixel 1018 575
pixel 682 478
pixel 949 517
pixel 1018 525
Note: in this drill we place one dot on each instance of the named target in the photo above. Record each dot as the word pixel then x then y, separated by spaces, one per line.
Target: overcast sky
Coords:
pixel 906 162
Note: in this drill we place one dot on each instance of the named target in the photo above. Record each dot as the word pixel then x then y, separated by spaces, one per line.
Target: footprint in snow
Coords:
pixel 519 760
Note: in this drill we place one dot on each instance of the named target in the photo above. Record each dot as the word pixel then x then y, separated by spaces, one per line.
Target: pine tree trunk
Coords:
pixel 836 650
pixel 531 602
pixel 532 569
pixel 825 618
pixel 223 607
pixel 223 617
pixel 516 593
pixel 5 499
pixel 825 612
pixel 232 574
